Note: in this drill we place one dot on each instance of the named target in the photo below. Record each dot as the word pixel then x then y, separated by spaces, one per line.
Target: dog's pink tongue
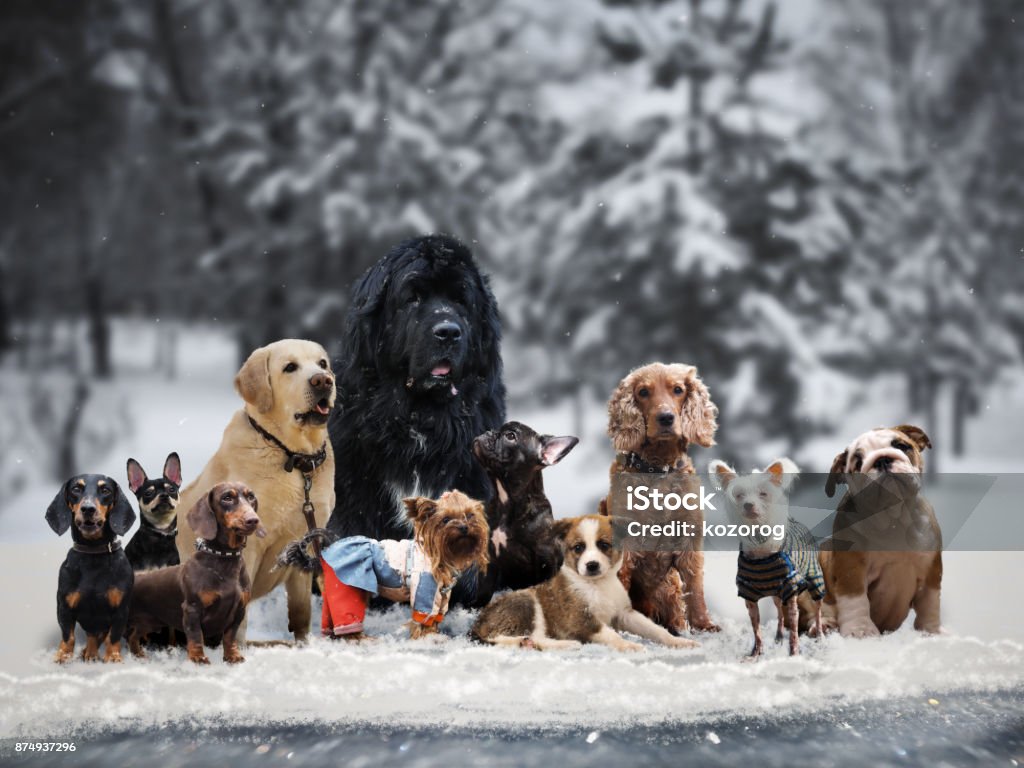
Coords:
pixel 442 369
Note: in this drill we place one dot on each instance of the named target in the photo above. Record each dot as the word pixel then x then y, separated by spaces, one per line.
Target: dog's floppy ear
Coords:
pixel 835 475
pixel 721 474
pixel 916 434
pixel 560 528
pixel 419 508
pixel 136 475
pixel 554 449
pixel 253 381
pixel 782 472
pixel 699 413
pixel 626 425
pixel 201 518
pixel 172 468
pixel 122 516
pixel 58 514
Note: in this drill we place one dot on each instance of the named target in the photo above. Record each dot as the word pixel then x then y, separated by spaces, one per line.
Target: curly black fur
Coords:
pixel 400 428
pixel 299 554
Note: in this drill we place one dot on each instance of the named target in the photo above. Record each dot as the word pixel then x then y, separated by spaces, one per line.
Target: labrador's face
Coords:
pixel 291 381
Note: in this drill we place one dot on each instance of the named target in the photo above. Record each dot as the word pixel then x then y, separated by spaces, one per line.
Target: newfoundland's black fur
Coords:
pixel 420 377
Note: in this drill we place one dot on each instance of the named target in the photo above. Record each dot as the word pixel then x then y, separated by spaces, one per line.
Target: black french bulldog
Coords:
pixel 94 588
pixel 523 550
pixel 153 546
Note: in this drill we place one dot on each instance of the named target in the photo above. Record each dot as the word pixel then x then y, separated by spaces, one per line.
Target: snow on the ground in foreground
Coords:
pixel 395 682
pixel 398 682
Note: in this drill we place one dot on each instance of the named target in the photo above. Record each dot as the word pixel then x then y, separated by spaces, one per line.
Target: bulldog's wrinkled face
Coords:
pixel 883 450
pixel 879 453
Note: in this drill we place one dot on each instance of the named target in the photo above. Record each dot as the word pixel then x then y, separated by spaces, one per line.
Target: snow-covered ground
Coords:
pixel 400 683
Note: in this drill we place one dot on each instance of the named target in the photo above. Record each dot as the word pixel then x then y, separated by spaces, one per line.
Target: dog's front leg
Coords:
pixel 780 619
pixel 231 653
pixel 691 568
pixel 113 652
pixel 792 617
pixel 635 622
pixel 66 620
pixel 755 622
pixel 298 586
pixel 849 586
pixel 926 601
pixel 192 620
pixel 608 636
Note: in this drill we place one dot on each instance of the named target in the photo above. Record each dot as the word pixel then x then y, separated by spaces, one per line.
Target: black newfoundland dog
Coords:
pixel 420 377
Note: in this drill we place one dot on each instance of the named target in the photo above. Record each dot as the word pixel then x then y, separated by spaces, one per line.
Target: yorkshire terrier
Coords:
pixel 449 536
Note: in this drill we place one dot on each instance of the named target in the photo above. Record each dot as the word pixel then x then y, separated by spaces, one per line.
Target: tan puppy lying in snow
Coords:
pixel 584 603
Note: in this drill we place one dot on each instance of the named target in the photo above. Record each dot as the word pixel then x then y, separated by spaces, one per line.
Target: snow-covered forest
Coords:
pixel 798 197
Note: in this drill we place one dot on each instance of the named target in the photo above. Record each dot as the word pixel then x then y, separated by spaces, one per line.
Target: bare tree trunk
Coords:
pixel 68 433
pixel 188 126
pixel 6 340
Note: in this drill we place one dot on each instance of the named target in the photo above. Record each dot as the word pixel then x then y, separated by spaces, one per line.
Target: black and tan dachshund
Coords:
pixel 206 597
pixel 524 551
pixel 94 588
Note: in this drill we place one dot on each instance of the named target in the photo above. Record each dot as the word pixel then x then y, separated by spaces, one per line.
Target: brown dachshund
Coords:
pixel 655 413
pixel 207 595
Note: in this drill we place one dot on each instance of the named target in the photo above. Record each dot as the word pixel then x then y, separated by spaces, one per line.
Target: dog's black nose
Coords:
pixel 883 463
pixel 447 331
pixel 666 419
pixel 593 566
pixel 748 506
pixel 88 510
pixel 463 529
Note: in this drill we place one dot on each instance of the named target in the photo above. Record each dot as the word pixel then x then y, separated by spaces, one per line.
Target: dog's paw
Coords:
pixel 706 625
pixel 859 629
pixel 63 657
pixel 235 658
pixel 199 659
pixel 682 642
pixel 112 656
pixel 628 647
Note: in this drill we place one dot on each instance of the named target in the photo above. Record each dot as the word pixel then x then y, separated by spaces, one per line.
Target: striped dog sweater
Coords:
pixel 783 574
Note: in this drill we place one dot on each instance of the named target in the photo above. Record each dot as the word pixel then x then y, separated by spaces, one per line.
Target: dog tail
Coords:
pixel 299 554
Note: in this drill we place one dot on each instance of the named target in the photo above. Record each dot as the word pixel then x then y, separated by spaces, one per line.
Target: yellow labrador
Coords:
pixel 288 389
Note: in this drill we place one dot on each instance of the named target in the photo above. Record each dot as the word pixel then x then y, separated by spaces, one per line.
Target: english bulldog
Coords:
pixel 885 556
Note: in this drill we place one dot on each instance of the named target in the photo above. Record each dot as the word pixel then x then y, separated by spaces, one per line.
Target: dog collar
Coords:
pixel 634 461
pixel 97 549
pixel 304 462
pixel 172 532
pixel 202 545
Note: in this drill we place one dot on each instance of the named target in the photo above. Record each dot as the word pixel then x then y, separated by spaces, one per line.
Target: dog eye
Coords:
pixel 323 364
pixel 105 492
pixel 291 368
pixel 227 498
pixel 604 546
pixel 643 392
pixel 901 446
pixel 149 494
pixel 763 494
pixel 445 521
pixel 678 390
pixel 578 549
pixel 510 436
